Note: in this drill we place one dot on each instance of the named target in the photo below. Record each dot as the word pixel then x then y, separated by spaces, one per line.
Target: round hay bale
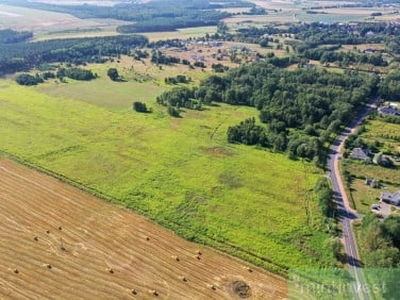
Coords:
pixel 147 238
pixel 48 266
pixel 16 271
pixel 198 252
pixel 176 258
pixel 35 238
pixel 249 269
pixel 133 291
pixel 47 231
pixel 198 256
pixel 59 228
pixel 184 279
pixel 213 287
pixel 110 270
pixel 154 292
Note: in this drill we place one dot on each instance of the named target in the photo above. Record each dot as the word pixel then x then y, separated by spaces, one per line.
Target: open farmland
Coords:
pixel 58 242
pixel 181 172
pixel 183 33
pixel 50 25
pixel 78 2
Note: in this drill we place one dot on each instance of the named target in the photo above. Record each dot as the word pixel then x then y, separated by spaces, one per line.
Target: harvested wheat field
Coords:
pixel 57 242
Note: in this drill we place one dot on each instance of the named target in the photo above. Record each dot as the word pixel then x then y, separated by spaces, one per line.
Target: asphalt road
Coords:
pixel 345 213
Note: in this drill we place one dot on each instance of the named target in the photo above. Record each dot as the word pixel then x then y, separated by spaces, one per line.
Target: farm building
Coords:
pixel 391 198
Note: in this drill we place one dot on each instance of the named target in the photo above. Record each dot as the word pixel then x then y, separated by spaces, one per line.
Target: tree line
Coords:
pixel 298 110
pixel 380 241
pixel 155 15
pixel 73 73
pixel 8 36
pixel 324 42
pixel 25 56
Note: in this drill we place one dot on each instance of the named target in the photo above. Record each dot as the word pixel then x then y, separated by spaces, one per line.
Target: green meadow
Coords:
pixel 182 33
pixel 384 132
pixel 144 81
pixel 180 172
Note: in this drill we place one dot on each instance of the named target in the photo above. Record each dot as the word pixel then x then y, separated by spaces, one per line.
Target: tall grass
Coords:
pixel 252 203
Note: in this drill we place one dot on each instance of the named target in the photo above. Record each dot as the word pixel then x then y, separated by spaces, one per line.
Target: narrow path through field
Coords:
pixel 220 124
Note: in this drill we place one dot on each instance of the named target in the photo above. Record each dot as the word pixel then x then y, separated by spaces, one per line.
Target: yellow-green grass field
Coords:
pixel 379 130
pixel 144 82
pixel 363 47
pixel 50 25
pixel 183 33
pixel 180 172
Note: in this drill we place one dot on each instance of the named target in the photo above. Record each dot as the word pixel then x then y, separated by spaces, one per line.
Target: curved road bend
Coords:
pixel 345 212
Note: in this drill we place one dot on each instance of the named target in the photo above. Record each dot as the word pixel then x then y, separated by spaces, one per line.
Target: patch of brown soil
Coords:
pixel 218 151
pixel 241 289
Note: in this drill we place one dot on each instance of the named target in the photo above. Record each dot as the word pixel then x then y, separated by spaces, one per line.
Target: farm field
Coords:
pixel 144 82
pixel 58 242
pixel 180 172
pixel 80 2
pixel 281 11
pixel 183 33
pixel 140 85
pixel 50 25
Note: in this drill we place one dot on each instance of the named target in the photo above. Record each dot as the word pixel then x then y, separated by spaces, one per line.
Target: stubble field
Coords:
pixel 58 243
pixel 51 25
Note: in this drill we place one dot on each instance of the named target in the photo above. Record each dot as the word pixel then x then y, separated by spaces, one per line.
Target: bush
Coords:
pixel 27 79
pixel 75 73
pixel 140 107
pixel 48 75
pixel 113 74
pixel 172 111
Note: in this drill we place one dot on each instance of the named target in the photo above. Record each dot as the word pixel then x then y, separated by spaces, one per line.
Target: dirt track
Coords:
pixel 57 242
